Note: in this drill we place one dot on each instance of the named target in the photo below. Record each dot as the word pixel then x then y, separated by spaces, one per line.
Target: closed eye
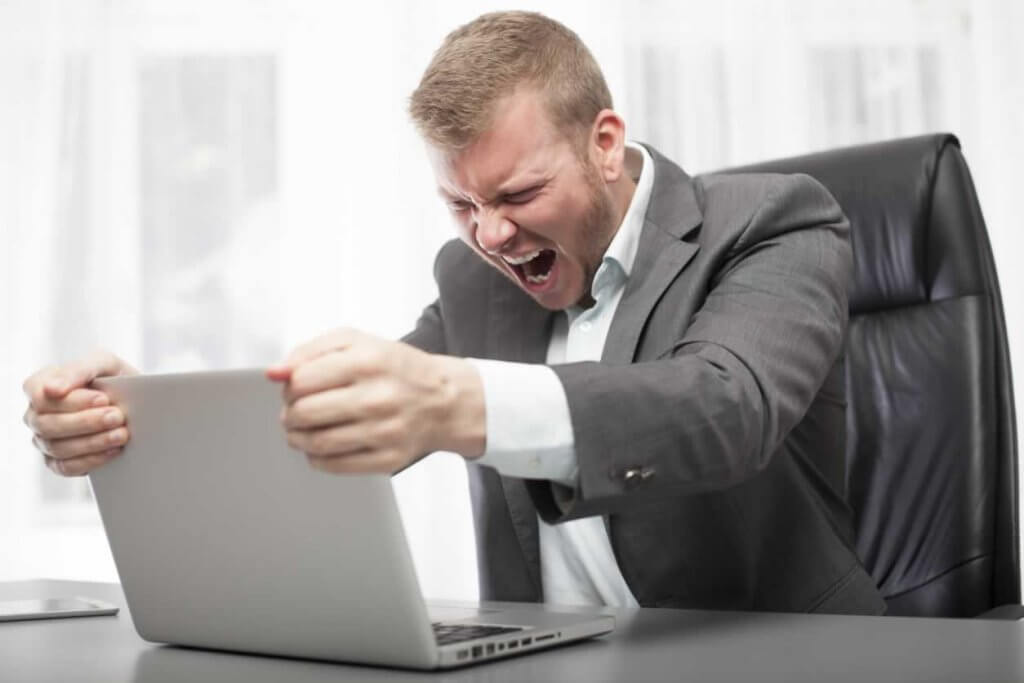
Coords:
pixel 522 197
pixel 459 206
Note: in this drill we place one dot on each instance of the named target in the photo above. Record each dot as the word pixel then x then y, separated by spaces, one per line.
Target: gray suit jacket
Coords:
pixel 711 435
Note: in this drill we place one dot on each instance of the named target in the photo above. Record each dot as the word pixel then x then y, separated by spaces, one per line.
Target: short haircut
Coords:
pixel 492 56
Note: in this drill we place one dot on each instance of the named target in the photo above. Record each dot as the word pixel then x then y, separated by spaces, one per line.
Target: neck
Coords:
pixel 622 191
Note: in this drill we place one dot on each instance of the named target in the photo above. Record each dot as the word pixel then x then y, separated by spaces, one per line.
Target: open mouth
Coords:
pixel 533 268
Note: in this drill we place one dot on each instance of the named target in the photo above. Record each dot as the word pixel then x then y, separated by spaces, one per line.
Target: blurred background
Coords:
pixel 200 185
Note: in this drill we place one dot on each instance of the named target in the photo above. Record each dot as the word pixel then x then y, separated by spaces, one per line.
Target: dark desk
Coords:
pixel 648 645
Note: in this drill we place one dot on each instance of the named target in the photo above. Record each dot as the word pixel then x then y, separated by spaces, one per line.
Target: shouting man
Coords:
pixel 642 369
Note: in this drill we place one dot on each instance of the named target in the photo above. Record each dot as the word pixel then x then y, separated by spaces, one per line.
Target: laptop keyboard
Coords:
pixel 447 634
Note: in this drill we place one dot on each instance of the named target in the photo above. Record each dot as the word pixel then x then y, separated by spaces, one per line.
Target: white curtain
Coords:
pixel 203 185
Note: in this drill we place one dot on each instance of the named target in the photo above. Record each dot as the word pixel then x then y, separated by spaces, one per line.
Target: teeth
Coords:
pixel 538 279
pixel 520 260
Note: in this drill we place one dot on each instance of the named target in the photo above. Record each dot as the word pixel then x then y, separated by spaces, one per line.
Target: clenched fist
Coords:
pixel 357 403
pixel 75 427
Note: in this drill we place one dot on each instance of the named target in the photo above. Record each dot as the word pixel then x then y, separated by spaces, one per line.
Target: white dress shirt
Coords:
pixel 529 430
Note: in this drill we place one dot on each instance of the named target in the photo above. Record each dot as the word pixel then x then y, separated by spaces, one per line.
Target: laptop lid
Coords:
pixel 224 537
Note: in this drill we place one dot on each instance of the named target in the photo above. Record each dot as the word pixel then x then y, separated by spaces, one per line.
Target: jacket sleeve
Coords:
pixel 709 413
pixel 429 335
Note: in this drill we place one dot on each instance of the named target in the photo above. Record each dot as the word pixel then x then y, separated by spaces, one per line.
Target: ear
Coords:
pixel 608 144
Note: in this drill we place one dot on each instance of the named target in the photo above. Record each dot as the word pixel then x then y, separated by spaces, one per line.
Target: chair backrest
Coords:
pixel 931 442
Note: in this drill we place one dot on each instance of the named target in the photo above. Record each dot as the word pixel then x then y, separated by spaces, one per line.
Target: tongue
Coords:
pixel 540 265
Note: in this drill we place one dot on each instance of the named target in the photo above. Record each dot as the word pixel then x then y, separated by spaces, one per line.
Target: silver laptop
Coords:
pixel 225 538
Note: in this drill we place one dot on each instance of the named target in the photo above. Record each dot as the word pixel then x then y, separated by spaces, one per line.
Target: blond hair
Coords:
pixel 492 56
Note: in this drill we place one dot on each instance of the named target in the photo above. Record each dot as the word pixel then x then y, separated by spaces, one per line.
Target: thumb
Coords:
pixel 336 340
pixel 80 373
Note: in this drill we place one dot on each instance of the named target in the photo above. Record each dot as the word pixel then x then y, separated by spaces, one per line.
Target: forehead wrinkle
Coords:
pixel 483 185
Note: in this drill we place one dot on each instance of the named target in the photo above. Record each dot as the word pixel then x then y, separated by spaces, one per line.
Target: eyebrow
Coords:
pixel 518 186
pixel 507 189
pixel 528 188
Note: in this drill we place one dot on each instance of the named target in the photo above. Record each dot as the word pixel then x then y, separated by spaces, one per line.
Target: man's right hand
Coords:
pixel 75 427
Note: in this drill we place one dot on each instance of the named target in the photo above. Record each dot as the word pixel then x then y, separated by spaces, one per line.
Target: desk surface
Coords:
pixel 648 645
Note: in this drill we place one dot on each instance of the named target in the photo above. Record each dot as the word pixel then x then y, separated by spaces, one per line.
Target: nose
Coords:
pixel 493 231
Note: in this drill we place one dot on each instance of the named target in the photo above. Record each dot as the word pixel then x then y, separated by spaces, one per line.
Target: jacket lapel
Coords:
pixel 519 330
pixel 673 214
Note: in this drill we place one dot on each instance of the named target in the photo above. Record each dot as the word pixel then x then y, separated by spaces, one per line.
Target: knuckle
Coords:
pixel 297 416
pixel 318 463
pixel 73 468
pixel 333 465
pixel 51 448
pixel 365 362
pixel 388 432
pixel 41 425
pixel 58 449
pixel 320 443
pixel 376 406
pixel 37 398
pixel 373 356
pixel 383 402
pixel 298 386
pixel 295 439
pixel 33 384
pixel 392 460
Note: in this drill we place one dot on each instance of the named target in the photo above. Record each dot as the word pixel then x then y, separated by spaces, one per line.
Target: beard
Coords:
pixel 597 230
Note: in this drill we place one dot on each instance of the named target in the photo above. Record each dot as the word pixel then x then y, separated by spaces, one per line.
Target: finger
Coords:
pixel 363 462
pixel 81 423
pixel 278 373
pixel 325 408
pixel 333 370
pixel 336 340
pixel 76 400
pixel 80 373
pixel 335 440
pixel 77 446
pixel 76 467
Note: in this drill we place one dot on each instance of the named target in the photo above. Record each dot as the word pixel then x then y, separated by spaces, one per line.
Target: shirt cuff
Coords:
pixel 529 431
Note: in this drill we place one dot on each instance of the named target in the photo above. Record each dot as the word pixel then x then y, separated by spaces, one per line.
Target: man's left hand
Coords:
pixel 355 403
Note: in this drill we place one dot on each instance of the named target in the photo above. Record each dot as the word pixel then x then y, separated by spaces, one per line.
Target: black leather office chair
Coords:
pixel 931 444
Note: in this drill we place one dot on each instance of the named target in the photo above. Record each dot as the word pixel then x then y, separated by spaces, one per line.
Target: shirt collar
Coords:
pixel 621 253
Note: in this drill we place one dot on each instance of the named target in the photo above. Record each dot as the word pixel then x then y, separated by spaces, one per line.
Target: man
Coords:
pixel 650 363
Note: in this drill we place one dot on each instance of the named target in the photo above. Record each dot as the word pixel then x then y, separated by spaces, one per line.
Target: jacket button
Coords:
pixel 633 476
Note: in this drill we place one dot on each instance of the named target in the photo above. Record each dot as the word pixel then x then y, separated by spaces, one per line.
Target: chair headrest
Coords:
pixel 907 201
